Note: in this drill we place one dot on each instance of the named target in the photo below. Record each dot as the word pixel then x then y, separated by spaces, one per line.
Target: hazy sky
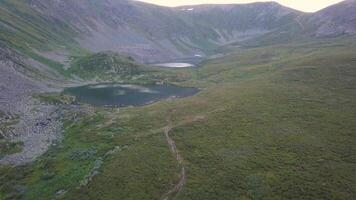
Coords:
pixel 304 5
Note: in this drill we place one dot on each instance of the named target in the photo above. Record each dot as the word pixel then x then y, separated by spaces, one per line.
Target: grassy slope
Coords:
pixel 279 124
pixel 25 30
pixel 28 31
pixel 105 65
pixel 6 126
pixel 274 123
pixel 110 66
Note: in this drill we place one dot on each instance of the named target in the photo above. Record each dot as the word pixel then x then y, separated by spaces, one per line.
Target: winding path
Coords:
pixel 171 194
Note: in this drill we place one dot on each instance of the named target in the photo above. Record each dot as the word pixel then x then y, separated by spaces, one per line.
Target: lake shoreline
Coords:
pixel 126 95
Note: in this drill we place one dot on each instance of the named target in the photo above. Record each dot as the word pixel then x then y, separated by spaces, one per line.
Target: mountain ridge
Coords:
pixel 338 19
pixel 145 31
pixel 152 33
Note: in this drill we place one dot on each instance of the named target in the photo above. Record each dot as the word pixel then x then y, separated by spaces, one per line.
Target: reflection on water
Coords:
pixel 122 95
pixel 174 65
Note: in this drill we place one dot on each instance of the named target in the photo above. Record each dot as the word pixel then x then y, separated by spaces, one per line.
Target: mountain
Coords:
pixel 147 32
pixel 53 31
pixel 237 22
pixel 25 29
pixel 274 117
pixel 334 21
pixel 339 19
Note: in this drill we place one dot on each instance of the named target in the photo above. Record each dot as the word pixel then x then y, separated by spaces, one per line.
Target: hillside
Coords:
pixel 269 112
pixel 241 22
pixel 27 31
pixel 151 33
pixel 144 31
pixel 105 65
pixel 271 122
pixel 336 20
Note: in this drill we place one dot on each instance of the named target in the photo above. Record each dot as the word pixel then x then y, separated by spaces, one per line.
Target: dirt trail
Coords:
pixel 171 194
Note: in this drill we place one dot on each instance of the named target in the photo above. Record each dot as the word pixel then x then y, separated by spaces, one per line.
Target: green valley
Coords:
pixel 270 112
pixel 271 123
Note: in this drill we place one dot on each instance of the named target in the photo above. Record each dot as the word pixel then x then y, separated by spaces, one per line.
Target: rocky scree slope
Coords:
pixel 38 126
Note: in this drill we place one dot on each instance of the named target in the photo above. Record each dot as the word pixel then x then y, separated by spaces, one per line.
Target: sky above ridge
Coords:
pixel 303 5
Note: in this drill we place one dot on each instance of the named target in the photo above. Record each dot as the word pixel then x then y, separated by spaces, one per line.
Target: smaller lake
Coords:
pixel 174 65
pixel 123 95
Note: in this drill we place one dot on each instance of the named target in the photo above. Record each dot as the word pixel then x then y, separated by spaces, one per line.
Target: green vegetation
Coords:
pixel 105 65
pixel 8 147
pixel 6 126
pixel 275 118
pixel 90 141
pixel 7 122
pixel 274 122
pixel 55 98
pixel 110 66
pixel 277 123
pixel 23 27
pixel 28 32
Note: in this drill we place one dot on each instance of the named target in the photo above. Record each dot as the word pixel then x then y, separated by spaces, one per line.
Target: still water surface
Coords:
pixel 122 95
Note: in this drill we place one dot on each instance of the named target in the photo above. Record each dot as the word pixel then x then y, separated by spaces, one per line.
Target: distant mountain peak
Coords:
pixel 338 19
pixel 153 33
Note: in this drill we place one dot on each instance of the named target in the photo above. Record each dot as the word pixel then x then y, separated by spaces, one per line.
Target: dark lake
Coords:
pixel 122 95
